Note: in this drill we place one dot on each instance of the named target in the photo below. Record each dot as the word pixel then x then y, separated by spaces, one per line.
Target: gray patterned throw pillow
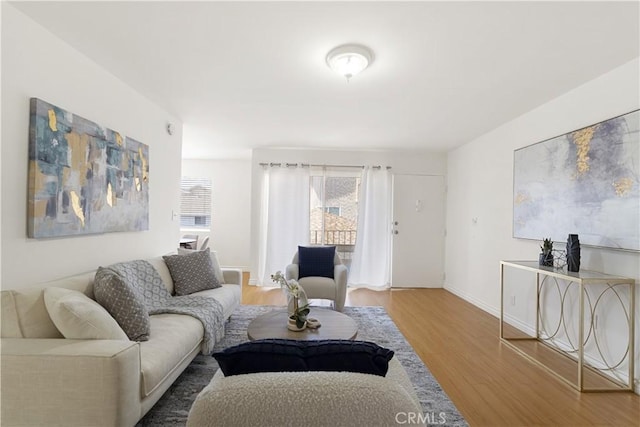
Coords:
pixel 214 260
pixel 192 272
pixel 122 303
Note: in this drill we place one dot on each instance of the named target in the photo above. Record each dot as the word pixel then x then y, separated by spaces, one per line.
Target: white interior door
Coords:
pixel 418 231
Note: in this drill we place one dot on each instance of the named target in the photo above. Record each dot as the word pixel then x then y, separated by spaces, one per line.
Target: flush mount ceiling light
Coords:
pixel 349 59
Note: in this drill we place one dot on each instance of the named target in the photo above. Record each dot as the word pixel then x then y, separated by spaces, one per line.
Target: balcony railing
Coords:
pixel 344 241
pixel 333 237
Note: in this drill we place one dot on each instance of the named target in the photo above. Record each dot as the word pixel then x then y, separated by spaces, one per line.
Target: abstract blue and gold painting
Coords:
pixel 83 178
pixel 586 182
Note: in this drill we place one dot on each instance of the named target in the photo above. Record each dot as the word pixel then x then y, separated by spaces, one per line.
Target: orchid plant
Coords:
pixel 296 295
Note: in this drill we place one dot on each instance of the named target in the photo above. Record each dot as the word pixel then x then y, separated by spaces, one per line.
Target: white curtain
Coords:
pixel 284 222
pixel 371 262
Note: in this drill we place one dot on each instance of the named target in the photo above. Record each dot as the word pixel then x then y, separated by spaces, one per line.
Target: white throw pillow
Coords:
pixel 217 271
pixel 79 317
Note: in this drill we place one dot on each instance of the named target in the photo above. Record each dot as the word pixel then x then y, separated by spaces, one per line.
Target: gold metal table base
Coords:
pixel 597 380
pixel 616 386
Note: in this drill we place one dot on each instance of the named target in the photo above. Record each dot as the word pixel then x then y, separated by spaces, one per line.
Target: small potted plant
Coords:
pixel 546 256
pixel 298 306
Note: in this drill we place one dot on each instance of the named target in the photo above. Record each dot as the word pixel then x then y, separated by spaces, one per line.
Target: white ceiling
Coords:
pixel 244 75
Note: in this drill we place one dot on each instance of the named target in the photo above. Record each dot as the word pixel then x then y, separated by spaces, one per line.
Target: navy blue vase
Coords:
pixel 573 253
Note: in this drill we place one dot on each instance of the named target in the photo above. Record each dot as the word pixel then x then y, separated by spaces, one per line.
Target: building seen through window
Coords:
pixel 333 212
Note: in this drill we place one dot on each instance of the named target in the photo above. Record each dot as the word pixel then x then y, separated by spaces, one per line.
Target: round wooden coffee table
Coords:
pixel 334 325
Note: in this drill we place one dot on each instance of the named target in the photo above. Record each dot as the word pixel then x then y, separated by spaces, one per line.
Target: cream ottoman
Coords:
pixel 307 399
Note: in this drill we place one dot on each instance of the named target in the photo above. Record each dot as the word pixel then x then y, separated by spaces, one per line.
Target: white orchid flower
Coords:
pixel 294 288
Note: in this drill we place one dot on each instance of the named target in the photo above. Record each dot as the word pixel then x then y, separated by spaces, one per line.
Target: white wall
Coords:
pixel 401 162
pixel 231 207
pixel 37 64
pixel 480 183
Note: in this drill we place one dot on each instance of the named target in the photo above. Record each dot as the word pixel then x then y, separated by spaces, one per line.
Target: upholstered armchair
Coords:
pixel 320 272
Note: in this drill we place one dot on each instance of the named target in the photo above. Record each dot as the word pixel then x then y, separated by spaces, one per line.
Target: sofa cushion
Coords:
pixel 316 261
pixel 175 340
pixel 281 355
pixel 79 317
pixel 319 287
pixel 192 272
pixel 24 315
pixel 214 261
pixel 163 271
pixel 122 303
pixel 229 296
pixel 9 322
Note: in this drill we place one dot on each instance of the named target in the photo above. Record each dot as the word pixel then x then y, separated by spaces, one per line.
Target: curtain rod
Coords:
pixel 306 165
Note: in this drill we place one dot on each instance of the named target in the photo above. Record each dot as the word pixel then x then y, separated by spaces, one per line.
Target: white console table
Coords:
pixel 582 279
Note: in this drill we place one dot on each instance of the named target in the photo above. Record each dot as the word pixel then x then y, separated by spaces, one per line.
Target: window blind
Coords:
pixel 195 202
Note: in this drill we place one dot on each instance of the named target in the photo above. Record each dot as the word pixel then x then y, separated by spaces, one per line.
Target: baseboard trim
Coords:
pixel 478 303
pixel 495 312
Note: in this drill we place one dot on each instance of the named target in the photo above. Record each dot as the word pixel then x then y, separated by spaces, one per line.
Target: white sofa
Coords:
pixel 308 399
pixel 49 380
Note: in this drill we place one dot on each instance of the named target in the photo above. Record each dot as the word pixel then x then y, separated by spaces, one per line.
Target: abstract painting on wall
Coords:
pixel 83 178
pixel 585 182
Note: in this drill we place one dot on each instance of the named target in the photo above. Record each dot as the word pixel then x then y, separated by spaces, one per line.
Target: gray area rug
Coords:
pixel 374 325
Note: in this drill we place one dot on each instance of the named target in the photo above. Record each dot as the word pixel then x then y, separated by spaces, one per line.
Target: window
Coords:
pixel 333 210
pixel 195 203
pixel 201 220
